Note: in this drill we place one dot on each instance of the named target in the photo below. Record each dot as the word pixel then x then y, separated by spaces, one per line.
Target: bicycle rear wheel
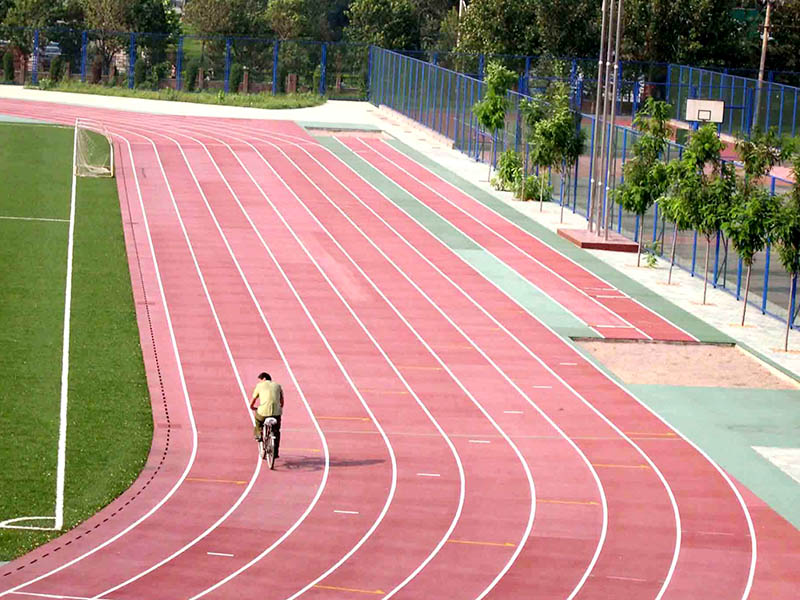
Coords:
pixel 269 452
pixel 263 442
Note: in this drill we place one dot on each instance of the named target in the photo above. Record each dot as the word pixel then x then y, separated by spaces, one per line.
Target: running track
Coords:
pixel 439 442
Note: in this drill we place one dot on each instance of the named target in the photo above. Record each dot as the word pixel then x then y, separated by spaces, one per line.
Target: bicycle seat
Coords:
pixel 271 421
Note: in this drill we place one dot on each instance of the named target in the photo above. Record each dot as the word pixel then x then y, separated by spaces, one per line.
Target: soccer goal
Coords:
pixel 94 153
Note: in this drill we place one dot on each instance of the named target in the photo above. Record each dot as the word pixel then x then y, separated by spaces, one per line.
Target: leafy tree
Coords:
pixel 500 27
pixel 287 18
pixel 28 14
pixel 210 17
pixel 153 16
pixel 386 23
pixel 785 235
pixel 107 16
pixel 784 48
pixel 447 38
pixel 491 111
pixel 569 27
pixel 701 186
pixel 431 13
pixel 752 207
pixel 645 174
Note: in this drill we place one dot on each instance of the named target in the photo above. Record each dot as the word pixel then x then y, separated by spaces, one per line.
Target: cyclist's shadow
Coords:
pixel 317 463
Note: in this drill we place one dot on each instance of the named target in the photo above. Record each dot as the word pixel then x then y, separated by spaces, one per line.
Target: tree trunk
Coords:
pixel 789 314
pixel 672 253
pixel 639 252
pixel 569 179
pixel 541 192
pixel 705 276
pixel 489 178
pixel 746 291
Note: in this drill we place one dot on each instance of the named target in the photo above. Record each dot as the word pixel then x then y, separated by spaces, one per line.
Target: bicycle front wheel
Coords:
pixel 269 453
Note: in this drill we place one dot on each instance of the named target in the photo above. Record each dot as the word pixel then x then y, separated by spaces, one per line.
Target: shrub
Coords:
pixel 236 77
pixel 56 69
pixel 535 185
pixel 139 73
pixel 192 70
pixel 509 171
pixel 8 66
pixel 158 72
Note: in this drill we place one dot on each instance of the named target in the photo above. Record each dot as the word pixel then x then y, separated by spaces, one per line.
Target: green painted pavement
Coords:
pixel 337 126
pixel 701 330
pixel 509 281
pixel 11 119
pixel 727 422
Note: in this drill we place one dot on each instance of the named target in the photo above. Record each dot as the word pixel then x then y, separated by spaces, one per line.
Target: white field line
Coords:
pixel 232 364
pixel 193 453
pixel 8 218
pixel 722 473
pixel 573 261
pixel 10 523
pixel 61 462
pixel 455 379
pixel 374 341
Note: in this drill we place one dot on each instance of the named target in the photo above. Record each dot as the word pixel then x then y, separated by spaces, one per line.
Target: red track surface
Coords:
pixel 439 442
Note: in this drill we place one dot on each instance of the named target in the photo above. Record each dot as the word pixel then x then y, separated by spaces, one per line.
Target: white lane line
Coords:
pixel 428 474
pixel 34 219
pixel 615 326
pixel 374 341
pixel 179 367
pixel 479 222
pixel 56 596
pixel 346 512
pixel 568 364
pixel 542 387
pixel 479 442
pixel 245 492
pixel 231 363
pixel 618 298
pixel 513 412
pixel 219 554
pixel 427 346
pixel 626 578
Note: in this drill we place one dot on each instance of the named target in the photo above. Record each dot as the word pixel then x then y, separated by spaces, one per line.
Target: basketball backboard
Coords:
pixel 706 111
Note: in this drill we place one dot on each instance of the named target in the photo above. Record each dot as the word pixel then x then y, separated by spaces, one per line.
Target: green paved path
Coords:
pixel 724 422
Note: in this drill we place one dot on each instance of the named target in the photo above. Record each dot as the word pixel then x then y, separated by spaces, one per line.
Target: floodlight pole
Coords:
pixel 613 159
pixel 602 166
pixel 596 128
pixel 764 38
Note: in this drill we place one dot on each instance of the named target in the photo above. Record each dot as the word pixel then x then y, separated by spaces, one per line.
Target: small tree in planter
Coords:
pixel 701 186
pixel 491 111
pixel 785 235
pixel 753 207
pixel 645 173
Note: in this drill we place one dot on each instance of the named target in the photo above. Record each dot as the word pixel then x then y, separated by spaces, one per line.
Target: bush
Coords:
pixel 509 171
pixel 535 185
pixel 236 75
pixel 192 70
pixel 8 66
pixel 56 69
pixel 139 73
pixel 158 72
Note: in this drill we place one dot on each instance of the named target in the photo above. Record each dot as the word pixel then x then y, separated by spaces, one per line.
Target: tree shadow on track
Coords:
pixel 313 463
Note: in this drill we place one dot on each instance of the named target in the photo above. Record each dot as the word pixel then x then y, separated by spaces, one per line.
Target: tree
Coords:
pixel 785 234
pixel 287 18
pixel 645 174
pixel 701 186
pixel 210 17
pixel 500 27
pixel 153 16
pixel 392 24
pixel 569 27
pixel 784 48
pixel 491 110
pixel 28 14
pixel 752 207
pixel 107 17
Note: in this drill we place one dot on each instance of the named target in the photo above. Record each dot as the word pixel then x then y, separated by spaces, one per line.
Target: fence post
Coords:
pixel 739 279
pixel 435 58
pixel 84 50
pixel 669 86
pixel 179 65
pixel 769 102
pixel 369 72
pixel 792 310
pixel 480 66
pixel 275 51
pixel 227 65
pixel 694 253
pixel 525 76
pixel 131 61
pixel 35 67
pixel 323 69
pixel 715 274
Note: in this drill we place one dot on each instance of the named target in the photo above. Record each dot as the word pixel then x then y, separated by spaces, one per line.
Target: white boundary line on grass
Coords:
pixel 8 218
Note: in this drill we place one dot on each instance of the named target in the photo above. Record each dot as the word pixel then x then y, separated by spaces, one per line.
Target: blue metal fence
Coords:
pixel 442 100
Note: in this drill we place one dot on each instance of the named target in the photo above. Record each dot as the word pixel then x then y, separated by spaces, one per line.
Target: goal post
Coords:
pixel 94 152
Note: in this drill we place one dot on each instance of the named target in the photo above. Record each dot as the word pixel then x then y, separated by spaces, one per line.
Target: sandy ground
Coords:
pixel 704 365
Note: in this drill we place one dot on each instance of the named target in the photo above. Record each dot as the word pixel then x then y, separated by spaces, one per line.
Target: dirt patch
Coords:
pixel 705 365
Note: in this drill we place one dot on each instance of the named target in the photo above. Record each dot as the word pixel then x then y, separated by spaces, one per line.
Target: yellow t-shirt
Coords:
pixel 270 395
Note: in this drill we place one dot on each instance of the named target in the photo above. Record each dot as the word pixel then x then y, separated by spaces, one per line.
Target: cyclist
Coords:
pixel 270 397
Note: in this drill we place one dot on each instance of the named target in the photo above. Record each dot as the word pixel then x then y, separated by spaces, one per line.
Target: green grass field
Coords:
pixel 107 386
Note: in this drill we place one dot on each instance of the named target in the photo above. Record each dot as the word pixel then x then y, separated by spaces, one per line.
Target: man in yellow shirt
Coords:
pixel 270 397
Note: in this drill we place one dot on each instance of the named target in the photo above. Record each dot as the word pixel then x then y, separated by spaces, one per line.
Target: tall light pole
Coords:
pixel 764 38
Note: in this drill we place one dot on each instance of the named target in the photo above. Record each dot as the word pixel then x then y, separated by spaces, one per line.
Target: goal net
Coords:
pixel 94 153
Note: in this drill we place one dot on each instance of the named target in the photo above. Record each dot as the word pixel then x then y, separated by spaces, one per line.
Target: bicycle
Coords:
pixel 266 444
